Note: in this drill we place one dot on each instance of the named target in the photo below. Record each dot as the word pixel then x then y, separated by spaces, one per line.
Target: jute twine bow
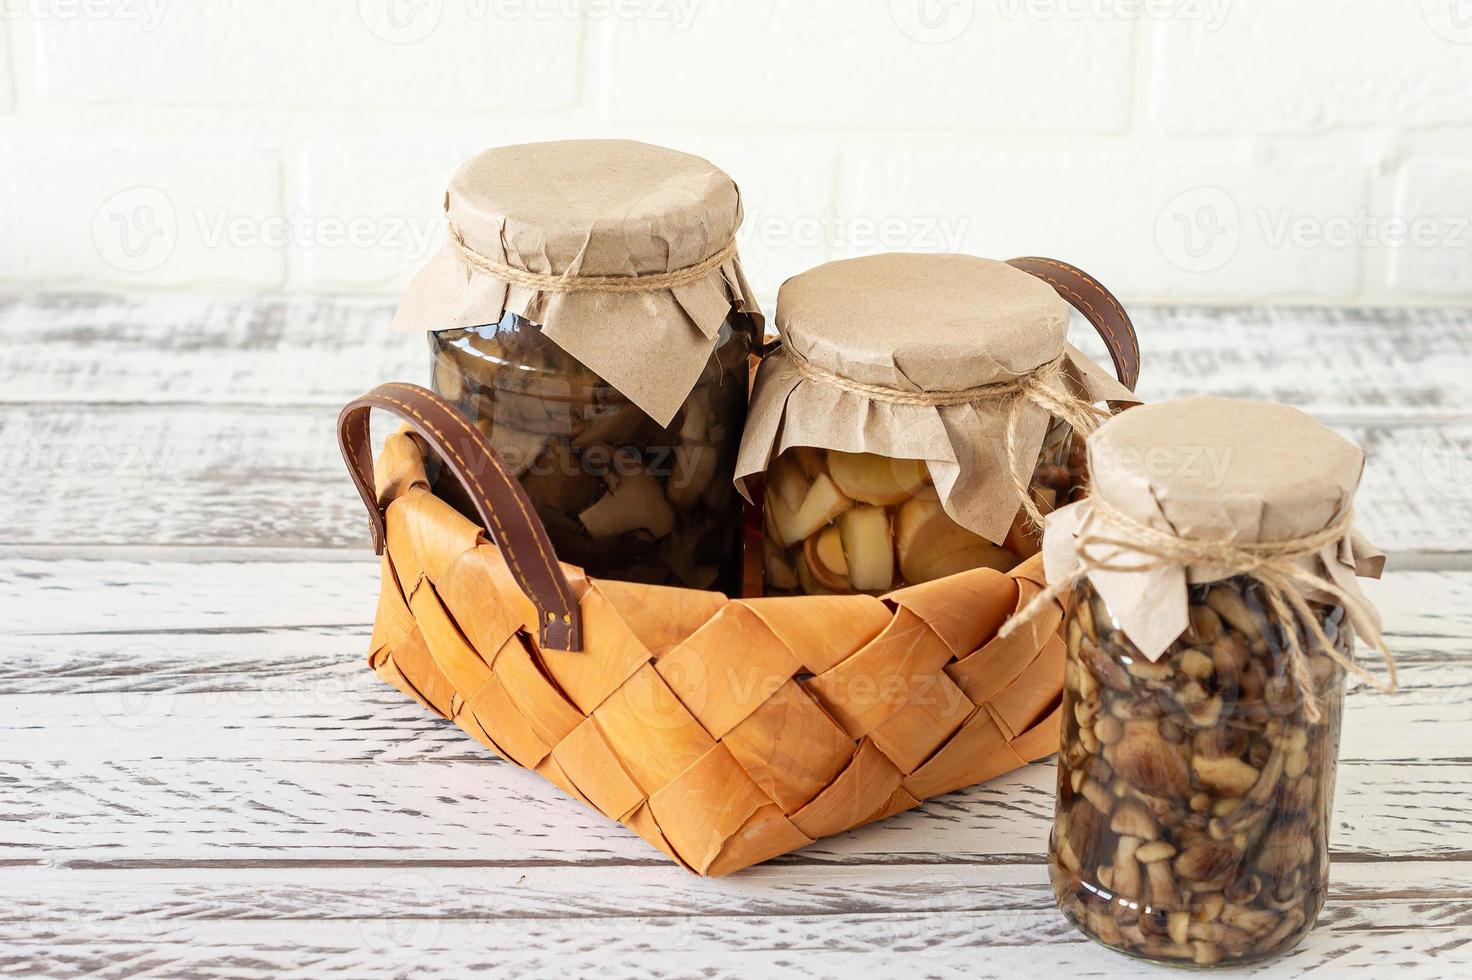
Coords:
pixel 1042 387
pixel 568 283
pixel 1274 564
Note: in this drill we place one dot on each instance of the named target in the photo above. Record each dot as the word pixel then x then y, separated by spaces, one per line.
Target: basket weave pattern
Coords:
pixel 724 732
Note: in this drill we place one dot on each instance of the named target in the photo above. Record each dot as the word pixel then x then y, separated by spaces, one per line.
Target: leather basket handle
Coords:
pixel 503 506
pixel 1087 295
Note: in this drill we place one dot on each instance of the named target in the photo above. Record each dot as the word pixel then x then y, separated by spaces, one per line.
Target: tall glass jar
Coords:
pixel 1194 792
pixel 621 495
pixel 859 522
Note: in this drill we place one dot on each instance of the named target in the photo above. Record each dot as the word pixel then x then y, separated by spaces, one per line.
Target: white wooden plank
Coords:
pixel 1383 895
pixel 250 659
pixel 70 596
pixel 189 348
pixel 336 716
pixel 280 662
pixel 120 596
pixel 969 944
pixel 191 810
pixel 272 477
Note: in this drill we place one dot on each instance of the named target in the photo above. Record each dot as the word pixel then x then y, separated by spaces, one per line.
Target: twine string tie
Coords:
pixel 573 283
pixel 1044 387
pixel 1275 565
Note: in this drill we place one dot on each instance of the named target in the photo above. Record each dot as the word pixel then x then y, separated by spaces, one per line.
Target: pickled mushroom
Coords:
pixel 633 502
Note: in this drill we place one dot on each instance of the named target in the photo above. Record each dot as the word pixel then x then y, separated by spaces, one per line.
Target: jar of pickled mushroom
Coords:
pixel 589 314
pixel 922 416
pixel 1213 578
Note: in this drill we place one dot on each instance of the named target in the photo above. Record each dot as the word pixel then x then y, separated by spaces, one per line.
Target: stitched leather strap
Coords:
pixel 1087 295
pixel 503 507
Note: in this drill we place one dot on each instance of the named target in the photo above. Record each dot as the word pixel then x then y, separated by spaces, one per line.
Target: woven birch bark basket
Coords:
pixel 722 731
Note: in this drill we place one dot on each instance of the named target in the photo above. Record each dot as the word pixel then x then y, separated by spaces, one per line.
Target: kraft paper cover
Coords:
pixel 594 208
pixel 1210 469
pixel 921 323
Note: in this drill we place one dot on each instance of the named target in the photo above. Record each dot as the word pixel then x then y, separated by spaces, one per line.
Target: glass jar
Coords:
pixel 857 522
pixel 1194 793
pixel 621 496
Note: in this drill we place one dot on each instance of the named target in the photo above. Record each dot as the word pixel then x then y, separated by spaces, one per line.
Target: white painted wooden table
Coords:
pixel 199 777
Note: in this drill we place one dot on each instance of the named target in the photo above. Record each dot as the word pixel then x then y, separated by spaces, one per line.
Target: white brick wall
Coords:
pixel 1199 150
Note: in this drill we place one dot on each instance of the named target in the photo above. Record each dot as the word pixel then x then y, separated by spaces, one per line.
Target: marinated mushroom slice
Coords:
pixel 787 486
pixel 633 502
pixel 823 553
pixel 616 425
pixel 694 468
pixel 1024 540
pixel 932 546
pixel 560 480
pixel 820 506
pixel 868 548
pixel 780 575
pixel 875 479
pixel 518 450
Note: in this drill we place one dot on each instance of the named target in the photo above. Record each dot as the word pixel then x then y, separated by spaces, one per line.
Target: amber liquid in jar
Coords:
pixel 620 495
pixel 857 522
pixel 1194 793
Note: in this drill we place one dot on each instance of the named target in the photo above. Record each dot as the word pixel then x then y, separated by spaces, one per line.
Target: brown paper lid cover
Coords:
pixel 1208 468
pixel 593 208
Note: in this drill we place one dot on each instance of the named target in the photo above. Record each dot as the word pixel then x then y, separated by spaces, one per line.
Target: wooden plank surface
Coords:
pixel 199 777
pixel 165 349
pixel 233 476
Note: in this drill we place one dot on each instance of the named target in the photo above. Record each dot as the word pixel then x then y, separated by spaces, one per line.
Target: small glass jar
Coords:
pixel 621 496
pixel 857 522
pixel 1194 793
